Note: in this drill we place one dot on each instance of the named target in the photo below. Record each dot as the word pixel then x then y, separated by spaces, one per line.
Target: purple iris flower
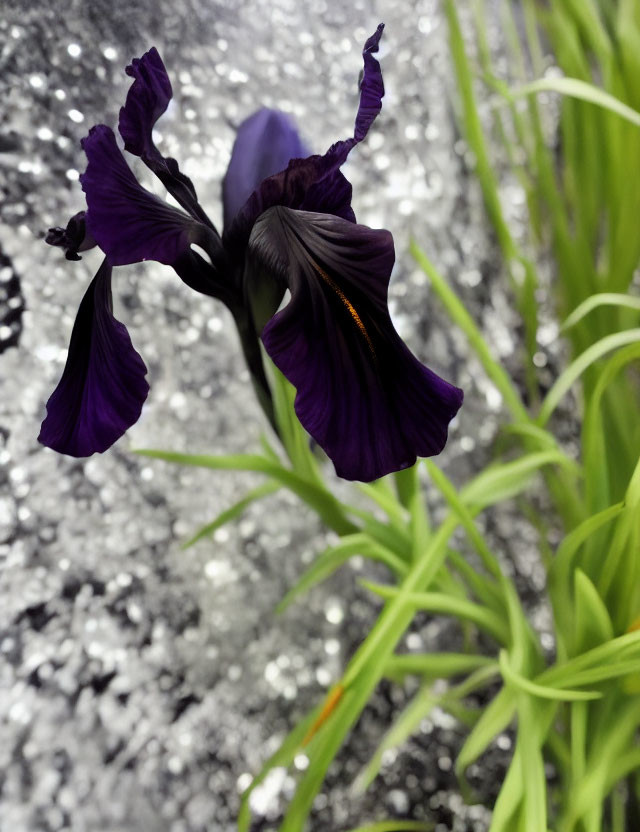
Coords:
pixel 288 225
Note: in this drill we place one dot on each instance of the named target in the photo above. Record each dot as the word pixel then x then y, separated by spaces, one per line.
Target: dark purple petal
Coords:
pixel 265 144
pixel 103 386
pixel 147 100
pixel 361 394
pixel 129 223
pixel 315 183
pixel 74 238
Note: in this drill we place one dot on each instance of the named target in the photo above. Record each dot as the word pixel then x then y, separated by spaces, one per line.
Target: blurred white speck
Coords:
pixel 263 798
pixel 110 53
pixel 236 76
pixel 425 25
pixel 175 765
pixel 493 396
pixel 471 277
pixel 503 742
pixel 124 579
pixel 177 401
pixel 444 763
pixel 244 781
pixel 5 333
pixel 76 115
pixel 414 641
pixel 548 333
pixel 72 175
pixel 271 672
pixel 214 324
pixel 301 762
pixel 24 166
pixel 333 611
pixel 540 359
pixel 60 95
pixel 411 132
pixel 221 535
pixel 19 712
pixel 44 134
pixel 36 81
pixel 332 646
pixel 399 801
pixel 431 133
pixel 75 50
pixel 467 444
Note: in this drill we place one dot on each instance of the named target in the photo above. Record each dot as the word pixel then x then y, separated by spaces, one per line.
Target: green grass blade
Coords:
pixel 461 317
pixel 334 557
pixel 493 720
pixel 234 511
pixel 434 665
pixel 508 479
pixel 396 826
pixel 592 623
pixel 438 602
pixel 597 301
pixel 321 500
pixel 577 367
pixel 575 88
pixel 541 691
pixel 403 726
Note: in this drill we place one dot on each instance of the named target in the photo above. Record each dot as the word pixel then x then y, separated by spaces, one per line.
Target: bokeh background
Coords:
pixel 141 685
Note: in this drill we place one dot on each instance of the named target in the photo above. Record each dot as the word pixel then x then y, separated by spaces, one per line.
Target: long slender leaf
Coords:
pixel 575 88
pixel 234 511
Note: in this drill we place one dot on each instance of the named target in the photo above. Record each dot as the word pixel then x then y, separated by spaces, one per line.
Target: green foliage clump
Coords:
pixel 579 710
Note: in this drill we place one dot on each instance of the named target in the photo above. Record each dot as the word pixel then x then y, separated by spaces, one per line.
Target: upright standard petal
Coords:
pixel 147 99
pixel 361 394
pixel 315 183
pixel 129 223
pixel 103 386
pixel 265 144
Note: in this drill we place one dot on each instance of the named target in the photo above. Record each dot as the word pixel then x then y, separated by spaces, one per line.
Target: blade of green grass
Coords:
pixel 233 511
pixel 575 88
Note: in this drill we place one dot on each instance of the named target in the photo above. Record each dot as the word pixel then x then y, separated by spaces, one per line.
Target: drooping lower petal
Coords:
pixel 129 223
pixel 265 144
pixel 361 394
pixel 103 386
pixel 316 183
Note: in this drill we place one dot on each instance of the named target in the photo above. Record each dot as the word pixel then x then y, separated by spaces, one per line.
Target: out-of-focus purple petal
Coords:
pixel 74 238
pixel 361 394
pixel 103 386
pixel 316 183
pixel 147 100
pixel 265 144
pixel 129 223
